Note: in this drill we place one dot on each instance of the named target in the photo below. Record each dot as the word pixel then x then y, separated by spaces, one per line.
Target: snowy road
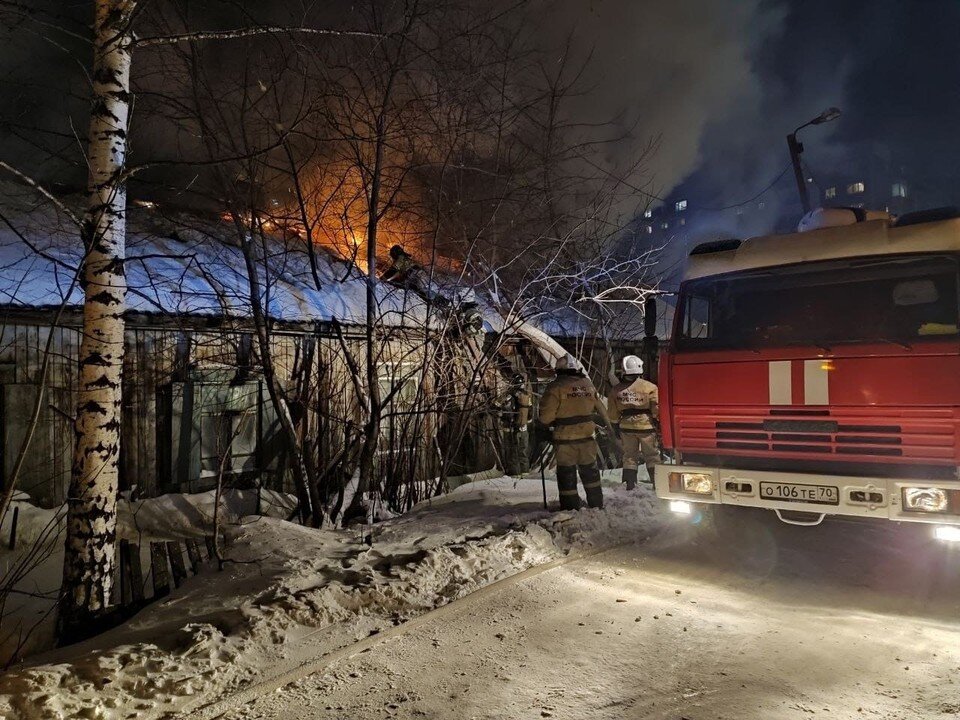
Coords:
pixel 764 621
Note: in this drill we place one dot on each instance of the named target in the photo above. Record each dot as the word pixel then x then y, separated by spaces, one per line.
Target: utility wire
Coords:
pixel 767 189
pixel 760 194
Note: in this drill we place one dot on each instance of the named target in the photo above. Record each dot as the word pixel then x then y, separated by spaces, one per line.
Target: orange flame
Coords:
pixel 336 207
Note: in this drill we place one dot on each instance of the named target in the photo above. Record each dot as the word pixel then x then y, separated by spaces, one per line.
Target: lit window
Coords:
pixel 664 225
pixel 649 229
pixel 830 192
pixel 648 213
pixel 683 221
pixel 899 190
pixel 855 188
pixel 761 205
pixel 681 205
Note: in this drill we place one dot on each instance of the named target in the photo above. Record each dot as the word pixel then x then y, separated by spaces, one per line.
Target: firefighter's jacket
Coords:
pixel 401 270
pixel 568 405
pixel 634 405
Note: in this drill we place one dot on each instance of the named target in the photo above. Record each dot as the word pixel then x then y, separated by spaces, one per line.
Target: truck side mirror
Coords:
pixel 650 317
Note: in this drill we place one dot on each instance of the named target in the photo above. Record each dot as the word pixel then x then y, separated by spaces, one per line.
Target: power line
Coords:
pixel 654 196
pixel 760 194
pixel 763 192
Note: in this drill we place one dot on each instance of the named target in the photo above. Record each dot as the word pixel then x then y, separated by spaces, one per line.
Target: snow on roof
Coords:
pixel 623 321
pixel 180 264
pixel 183 264
pixel 874 237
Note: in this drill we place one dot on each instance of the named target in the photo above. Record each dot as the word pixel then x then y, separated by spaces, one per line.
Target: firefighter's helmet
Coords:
pixel 632 365
pixel 568 362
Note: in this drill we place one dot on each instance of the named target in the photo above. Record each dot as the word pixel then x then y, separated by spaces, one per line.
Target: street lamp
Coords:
pixel 797 147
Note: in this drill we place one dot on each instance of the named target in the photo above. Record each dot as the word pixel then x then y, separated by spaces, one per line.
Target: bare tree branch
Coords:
pixel 238 33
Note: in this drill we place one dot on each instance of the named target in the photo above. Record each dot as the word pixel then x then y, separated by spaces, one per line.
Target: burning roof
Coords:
pixel 185 264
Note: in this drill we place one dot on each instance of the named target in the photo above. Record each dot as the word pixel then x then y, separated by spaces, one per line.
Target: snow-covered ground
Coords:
pixel 291 593
pixel 763 622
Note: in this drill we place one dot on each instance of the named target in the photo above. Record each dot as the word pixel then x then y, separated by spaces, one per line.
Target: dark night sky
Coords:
pixel 720 82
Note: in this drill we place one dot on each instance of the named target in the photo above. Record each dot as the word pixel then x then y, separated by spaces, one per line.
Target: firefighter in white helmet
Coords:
pixel 568 406
pixel 634 408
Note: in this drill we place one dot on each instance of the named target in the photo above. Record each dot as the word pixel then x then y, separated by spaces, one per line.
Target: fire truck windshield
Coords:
pixel 898 299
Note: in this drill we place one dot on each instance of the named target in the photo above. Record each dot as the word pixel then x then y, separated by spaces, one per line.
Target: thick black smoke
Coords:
pixel 892 67
pixel 719 82
pixel 664 70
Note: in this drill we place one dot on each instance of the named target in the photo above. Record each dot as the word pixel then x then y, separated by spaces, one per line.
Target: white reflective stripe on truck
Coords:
pixel 781 390
pixel 816 388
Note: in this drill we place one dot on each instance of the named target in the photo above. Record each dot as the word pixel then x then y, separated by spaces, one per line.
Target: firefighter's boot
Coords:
pixel 630 477
pixel 650 469
pixel 567 485
pixel 590 477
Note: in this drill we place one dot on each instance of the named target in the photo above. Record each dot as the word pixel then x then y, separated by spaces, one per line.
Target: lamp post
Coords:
pixel 796 147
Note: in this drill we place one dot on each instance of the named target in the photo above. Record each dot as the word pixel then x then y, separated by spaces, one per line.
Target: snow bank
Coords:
pixel 34 567
pixel 167 517
pixel 296 592
pixel 32 522
pixel 182 517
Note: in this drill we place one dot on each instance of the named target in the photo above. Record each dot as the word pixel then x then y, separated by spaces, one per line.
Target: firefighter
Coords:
pixel 568 406
pixel 633 408
pixel 518 420
pixel 407 273
pixel 403 267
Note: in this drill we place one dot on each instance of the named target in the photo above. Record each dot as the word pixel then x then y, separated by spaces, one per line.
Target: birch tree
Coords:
pixel 91 516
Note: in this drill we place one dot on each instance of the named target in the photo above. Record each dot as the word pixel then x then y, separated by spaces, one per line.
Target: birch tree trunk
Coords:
pixel 91 516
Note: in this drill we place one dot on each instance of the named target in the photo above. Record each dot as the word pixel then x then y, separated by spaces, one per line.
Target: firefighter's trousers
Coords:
pixel 639 444
pixel 518 454
pixel 575 456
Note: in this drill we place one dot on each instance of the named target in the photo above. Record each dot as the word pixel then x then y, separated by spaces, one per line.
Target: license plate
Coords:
pixel 816 494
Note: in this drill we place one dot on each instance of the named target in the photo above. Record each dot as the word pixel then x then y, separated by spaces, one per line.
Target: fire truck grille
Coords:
pixel 912 435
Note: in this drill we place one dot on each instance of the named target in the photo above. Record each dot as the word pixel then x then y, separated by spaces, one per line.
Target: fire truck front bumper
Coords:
pixel 814 496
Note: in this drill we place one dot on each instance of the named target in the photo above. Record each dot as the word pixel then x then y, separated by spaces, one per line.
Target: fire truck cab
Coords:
pixel 817 374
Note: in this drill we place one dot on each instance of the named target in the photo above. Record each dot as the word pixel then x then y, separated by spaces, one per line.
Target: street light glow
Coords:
pixel 831 113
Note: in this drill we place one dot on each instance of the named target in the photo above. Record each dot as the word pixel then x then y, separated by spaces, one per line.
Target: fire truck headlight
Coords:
pixel 680 507
pixel 695 483
pixel 947 533
pixel 930 500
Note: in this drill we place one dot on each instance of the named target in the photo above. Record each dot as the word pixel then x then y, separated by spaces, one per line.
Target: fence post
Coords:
pixel 158 565
pixel 13 528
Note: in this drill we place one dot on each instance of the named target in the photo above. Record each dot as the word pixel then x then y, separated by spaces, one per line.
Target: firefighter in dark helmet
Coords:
pixel 633 408
pixel 403 269
pixel 568 406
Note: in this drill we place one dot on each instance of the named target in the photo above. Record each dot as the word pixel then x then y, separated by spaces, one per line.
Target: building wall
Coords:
pixel 179 385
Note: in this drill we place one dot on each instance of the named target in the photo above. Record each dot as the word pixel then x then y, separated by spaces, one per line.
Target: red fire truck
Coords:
pixel 817 374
